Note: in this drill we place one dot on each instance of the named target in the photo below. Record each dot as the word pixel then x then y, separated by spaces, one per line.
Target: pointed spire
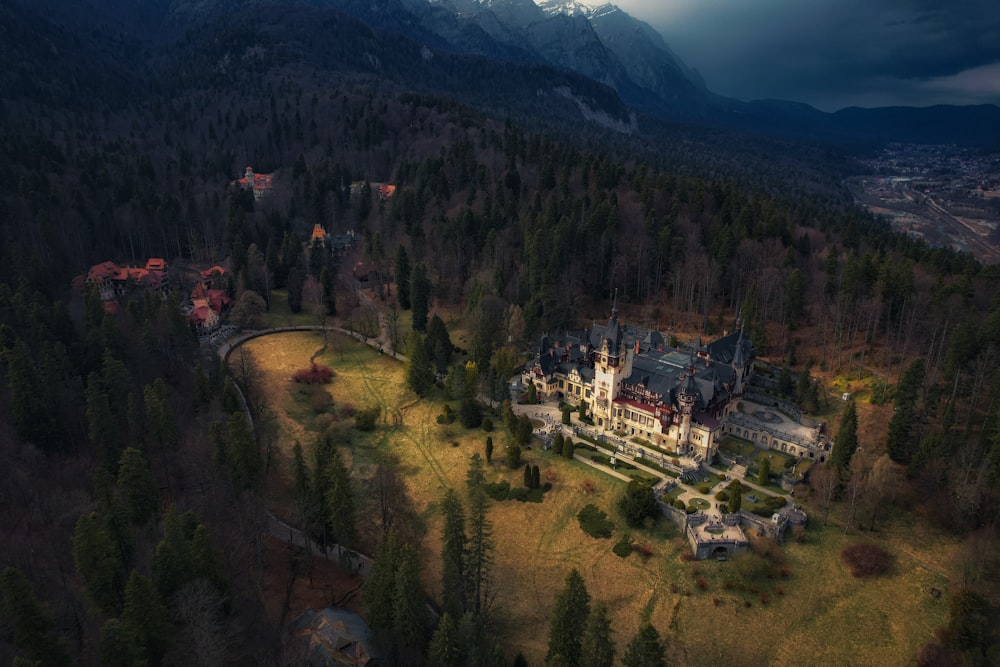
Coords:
pixel 614 306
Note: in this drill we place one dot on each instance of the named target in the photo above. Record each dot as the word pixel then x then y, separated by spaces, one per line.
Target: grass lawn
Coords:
pixel 822 617
pixel 736 446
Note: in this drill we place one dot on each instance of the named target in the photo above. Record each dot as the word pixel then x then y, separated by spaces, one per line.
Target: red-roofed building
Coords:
pixel 208 276
pixel 258 183
pixel 386 191
pixel 112 280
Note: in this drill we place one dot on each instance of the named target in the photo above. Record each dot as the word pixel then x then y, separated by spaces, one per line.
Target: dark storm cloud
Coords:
pixel 835 53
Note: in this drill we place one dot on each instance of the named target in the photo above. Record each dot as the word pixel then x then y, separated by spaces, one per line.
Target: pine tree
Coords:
pixel 380 587
pixel 410 621
pixel 205 560
pixel 341 508
pixel 489 449
pixel 420 295
pixel 479 556
pixel 597 649
pixel 136 485
pixel 98 562
pixel 419 377
pixel 568 448
pixel 33 629
pixel 645 649
pixel 401 273
pixel 117 646
pixel 446 648
pixel 453 545
pixel 146 619
pixel 536 477
pixel 899 441
pixel 102 430
pixel 173 565
pixel 735 496
pixel 845 443
pixel 301 486
pixel 569 620
pixel 764 472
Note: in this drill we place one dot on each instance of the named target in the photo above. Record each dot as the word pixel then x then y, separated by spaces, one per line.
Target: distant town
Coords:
pixel 944 194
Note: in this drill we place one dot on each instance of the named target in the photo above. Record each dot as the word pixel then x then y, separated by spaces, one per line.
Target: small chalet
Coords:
pixel 258 183
pixel 208 306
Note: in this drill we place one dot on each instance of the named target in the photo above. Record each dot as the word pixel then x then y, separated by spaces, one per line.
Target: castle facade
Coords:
pixel 636 385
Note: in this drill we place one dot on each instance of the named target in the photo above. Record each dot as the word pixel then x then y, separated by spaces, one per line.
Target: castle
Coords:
pixel 636 384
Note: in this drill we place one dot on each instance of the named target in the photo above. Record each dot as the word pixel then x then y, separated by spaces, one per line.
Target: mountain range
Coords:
pixel 558 41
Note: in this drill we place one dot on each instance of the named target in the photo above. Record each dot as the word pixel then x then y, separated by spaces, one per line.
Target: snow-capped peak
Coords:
pixel 569 7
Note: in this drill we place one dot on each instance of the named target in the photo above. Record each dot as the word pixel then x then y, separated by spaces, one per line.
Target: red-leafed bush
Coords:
pixel 866 560
pixel 315 374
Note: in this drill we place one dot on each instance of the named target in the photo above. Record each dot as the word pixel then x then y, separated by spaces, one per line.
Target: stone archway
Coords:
pixel 720 553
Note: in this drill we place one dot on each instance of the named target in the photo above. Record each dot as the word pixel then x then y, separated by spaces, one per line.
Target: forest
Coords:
pixel 132 508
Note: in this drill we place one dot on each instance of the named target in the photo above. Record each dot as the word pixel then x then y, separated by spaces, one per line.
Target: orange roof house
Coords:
pixel 318 234
pixel 258 183
pixel 210 274
pixel 386 191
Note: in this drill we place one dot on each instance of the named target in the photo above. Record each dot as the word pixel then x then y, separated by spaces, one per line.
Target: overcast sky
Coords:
pixel 836 53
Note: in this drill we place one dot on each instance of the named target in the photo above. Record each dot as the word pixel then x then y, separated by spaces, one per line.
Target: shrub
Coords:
pixel 691 509
pixel 704 488
pixel 498 490
pixel 365 420
pixel 722 496
pixel 765 597
pixel 347 410
pixel 679 504
pixel 487 424
pixel 702 583
pixel 520 493
pixel 315 374
pixel 623 547
pixel 866 560
pixel 646 549
pixel 594 521
pixel 589 487
pixel 320 400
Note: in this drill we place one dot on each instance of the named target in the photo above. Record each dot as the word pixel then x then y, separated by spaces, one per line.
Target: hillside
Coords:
pixel 525 197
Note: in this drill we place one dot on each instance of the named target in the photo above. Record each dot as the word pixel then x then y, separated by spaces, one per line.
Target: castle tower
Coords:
pixel 612 364
pixel 687 396
pixel 739 364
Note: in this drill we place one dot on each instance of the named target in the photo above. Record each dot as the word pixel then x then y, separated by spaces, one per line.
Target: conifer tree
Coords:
pixel 410 620
pixel 764 471
pixel 489 449
pixel 117 646
pixel 479 556
pixel 453 545
pixel 31 624
pixel 136 485
pixel 419 376
pixel 380 586
pixel 899 441
pixel 173 565
pixel 735 496
pixel 341 508
pixel 401 273
pixel 446 648
pixel 146 619
pixel 98 562
pixel 536 477
pixel 597 649
pixel 845 443
pixel 645 649
pixel 569 620
pixel 420 295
